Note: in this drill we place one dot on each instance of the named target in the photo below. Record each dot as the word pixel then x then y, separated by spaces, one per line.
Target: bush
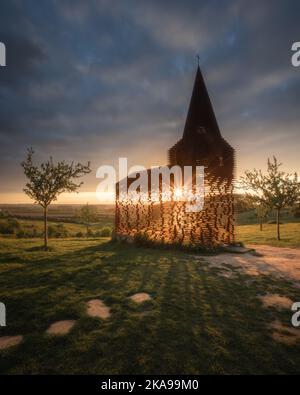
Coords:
pixel 9 226
pixel 15 224
pixel 141 239
pixel 57 231
pixel 62 231
pixel 5 229
pixel 105 232
pixel 4 213
pixel 20 234
pixel 296 212
pixel 89 233
pixel 28 233
pixel 242 204
pixel 97 233
pixel 51 231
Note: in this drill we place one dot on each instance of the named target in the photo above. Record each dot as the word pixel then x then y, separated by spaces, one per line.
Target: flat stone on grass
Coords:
pixel 140 297
pixel 96 308
pixel 285 334
pixel 61 328
pixel 237 250
pixel 10 341
pixel 277 301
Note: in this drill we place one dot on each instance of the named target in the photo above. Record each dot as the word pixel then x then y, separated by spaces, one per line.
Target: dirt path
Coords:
pixel 280 262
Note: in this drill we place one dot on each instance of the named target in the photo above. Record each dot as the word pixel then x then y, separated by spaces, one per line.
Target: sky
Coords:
pixel 95 80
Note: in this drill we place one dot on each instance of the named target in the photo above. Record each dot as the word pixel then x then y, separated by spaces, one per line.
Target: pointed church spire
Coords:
pixel 201 117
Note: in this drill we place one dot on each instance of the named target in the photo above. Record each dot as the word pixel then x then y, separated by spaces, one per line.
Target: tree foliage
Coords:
pixel 262 212
pixel 47 181
pixel 274 190
pixel 88 214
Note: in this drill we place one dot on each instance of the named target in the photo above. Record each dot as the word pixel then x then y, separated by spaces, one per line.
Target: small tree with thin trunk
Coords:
pixel 47 181
pixel 88 214
pixel 262 212
pixel 275 190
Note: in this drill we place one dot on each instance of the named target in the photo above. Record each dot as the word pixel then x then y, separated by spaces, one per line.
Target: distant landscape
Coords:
pixel 64 222
pixel 26 221
pixel 56 211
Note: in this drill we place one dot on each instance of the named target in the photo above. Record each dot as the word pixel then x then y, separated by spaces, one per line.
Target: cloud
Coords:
pixel 95 80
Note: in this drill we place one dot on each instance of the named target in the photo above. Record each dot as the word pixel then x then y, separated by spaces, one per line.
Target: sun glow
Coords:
pixel 178 193
pixel 64 198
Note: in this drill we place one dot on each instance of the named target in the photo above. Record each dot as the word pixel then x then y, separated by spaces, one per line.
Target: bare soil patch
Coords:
pixel 283 263
pixel 277 301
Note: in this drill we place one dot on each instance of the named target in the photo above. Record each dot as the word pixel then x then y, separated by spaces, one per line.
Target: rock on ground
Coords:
pixel 96 308
pixel 61 327
pixel 10 341
pixel 140 297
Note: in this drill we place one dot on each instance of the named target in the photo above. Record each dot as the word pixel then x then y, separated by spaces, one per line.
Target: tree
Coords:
pixel 88 214
pixel 295 210
pixel 242 203
pixel 262 212
pixel 275 190
pixel 49 180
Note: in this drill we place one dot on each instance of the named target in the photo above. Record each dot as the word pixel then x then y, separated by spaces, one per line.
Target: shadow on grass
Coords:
pixel 198 321
pixel 40 248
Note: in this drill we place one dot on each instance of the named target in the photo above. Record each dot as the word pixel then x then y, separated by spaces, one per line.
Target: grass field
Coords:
pixel 71 227
pixel 56 211
pixel 247 234
pixel 250 218
pixel 197 321
pixel 250 234
pixel 247 229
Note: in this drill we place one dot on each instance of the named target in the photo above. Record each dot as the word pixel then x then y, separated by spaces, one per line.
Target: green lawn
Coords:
pixel 72 227
pixel 39 225
pixel 198 322
pixel 249 217
pixel 31 228
pixel 250 234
